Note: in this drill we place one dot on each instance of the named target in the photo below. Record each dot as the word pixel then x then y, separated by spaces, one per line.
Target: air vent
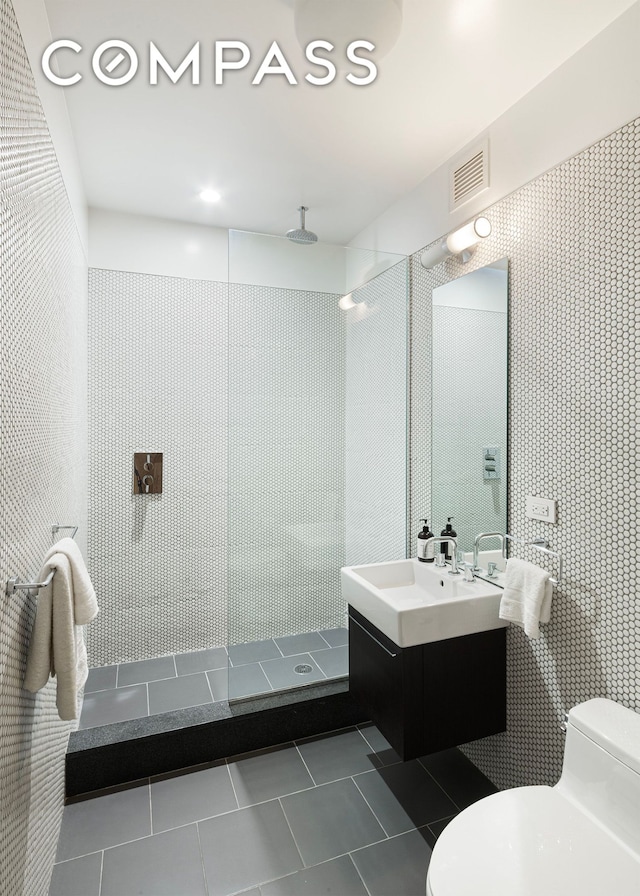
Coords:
pixel 469 175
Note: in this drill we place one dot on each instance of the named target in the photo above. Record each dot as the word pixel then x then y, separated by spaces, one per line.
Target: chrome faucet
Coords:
pixel 476 545
pixel 468 573
pixel 453 544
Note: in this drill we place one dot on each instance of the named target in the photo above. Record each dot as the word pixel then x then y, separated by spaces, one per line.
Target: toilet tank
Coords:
pixel 601 768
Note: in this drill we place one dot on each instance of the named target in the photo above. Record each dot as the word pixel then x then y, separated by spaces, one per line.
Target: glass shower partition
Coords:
pixel 317 448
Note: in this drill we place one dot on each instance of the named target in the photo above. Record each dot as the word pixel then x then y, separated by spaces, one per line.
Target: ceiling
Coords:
pixel 346 152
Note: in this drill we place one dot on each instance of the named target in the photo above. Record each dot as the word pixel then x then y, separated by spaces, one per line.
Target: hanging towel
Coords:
pixel 57 642
pixel 526 600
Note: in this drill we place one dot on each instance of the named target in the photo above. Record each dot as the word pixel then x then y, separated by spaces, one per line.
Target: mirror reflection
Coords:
pixel 469 404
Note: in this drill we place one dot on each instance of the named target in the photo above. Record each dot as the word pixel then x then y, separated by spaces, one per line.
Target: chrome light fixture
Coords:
pixel 460 244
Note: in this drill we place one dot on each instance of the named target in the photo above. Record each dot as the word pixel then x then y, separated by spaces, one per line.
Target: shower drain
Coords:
pixel 303 668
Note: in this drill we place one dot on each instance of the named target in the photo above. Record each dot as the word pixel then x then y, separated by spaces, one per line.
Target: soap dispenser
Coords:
pixel 447 532
pixel 426 552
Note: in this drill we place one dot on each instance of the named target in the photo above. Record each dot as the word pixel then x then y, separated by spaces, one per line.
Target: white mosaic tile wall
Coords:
pixel 158 382
pixel 286 461
pixel 242 389
pixel 573 242
pixel 43 448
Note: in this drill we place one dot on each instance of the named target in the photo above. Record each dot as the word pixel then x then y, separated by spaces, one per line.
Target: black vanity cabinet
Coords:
pixel 433 696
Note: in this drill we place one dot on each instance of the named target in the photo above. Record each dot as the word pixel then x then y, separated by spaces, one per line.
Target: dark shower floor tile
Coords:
pixel 146 670
pixel 335 637
pixel 334 661
pixel 119 693
pixel 115 705
pixel 293 644
pixel 253 652
pixel 178 693
pixel 103 678
pixel 355 824
pixel 282 673
pixel 201 661
pixel 244 681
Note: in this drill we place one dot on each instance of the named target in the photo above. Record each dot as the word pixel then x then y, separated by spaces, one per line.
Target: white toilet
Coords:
pixel 579 838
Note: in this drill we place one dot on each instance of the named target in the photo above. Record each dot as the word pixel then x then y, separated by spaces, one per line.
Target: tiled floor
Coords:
pixel 135 690
pixel 336 814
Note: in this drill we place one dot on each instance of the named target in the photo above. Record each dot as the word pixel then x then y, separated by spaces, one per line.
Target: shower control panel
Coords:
pixel 147 473
pixel 491 462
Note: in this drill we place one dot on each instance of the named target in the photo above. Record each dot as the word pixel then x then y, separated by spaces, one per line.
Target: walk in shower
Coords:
pixel 278 399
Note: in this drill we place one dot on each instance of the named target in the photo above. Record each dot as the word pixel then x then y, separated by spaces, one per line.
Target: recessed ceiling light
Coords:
pixel 209 195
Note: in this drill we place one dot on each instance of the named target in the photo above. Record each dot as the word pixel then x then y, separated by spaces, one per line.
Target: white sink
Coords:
pixel 415 603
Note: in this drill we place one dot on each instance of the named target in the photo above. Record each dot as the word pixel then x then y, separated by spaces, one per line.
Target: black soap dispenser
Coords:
pixel 426 552
pixel 447 532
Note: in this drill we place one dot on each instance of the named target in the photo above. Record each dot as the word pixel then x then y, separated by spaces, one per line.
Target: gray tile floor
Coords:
pixel 135 690
pixel 335 814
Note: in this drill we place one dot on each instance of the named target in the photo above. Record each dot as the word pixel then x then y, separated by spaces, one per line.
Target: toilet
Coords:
pixel 578 838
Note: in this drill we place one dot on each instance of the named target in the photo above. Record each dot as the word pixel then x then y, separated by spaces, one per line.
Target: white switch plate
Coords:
pixel 541 508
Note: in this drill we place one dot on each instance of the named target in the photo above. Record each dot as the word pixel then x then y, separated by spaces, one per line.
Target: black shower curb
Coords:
pixel 114 755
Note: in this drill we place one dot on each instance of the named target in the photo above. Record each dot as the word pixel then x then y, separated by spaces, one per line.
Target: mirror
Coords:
pixel 469 405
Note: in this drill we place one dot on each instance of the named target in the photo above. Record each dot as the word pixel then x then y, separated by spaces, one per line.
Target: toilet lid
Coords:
pixel 530 842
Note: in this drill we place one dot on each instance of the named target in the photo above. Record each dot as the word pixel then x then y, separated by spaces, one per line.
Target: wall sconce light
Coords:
pixel 347 302
pixel 461 243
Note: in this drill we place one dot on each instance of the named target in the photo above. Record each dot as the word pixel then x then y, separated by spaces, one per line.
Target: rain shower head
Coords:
pixel 302 235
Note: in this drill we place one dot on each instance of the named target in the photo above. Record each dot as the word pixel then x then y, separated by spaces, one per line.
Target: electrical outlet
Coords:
pixel 541 508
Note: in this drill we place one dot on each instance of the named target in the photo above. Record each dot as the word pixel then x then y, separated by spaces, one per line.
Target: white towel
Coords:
pixel 57 641
pixel 526 600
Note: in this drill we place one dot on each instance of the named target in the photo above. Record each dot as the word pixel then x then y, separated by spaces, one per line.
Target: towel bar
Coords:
pixel 540 544
pixel 14 584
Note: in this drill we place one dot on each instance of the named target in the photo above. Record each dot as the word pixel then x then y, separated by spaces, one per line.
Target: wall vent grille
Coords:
pixel 469 175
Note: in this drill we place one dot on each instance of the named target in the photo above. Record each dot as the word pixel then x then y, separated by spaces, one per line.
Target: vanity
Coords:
pixel 427 655
pixel 427 650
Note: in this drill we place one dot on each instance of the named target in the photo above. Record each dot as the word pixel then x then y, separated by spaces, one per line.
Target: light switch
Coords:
pixel 541 508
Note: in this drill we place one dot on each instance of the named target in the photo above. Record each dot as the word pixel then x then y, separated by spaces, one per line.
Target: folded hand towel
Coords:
pixel 57 642
pixel 526 600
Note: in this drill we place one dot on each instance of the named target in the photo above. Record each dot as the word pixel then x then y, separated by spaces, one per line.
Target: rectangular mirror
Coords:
pixel 469 404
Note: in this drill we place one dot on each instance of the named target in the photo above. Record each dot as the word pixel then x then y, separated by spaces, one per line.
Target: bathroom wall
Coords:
pixel 208 374
pixel 589 96
pixel 43 448
pixel 571 237
pixel 157 382
pixel 120 241
pixel 282 421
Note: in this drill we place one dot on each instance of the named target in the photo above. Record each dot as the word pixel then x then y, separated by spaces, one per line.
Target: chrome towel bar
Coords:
pixel 540 544
pixel 14 584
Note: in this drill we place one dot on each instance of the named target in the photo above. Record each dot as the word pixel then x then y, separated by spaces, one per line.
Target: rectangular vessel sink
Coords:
pixel 415 603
